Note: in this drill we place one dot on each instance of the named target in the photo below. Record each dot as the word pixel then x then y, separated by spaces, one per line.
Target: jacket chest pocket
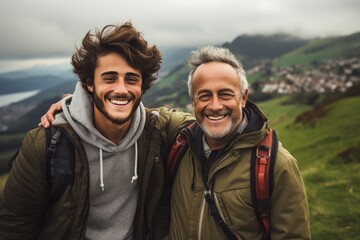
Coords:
pixel 235 207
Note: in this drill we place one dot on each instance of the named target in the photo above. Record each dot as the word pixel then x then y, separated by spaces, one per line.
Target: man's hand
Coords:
pixel 49 116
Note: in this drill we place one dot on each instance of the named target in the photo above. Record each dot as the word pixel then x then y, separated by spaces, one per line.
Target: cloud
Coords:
pixel 43 28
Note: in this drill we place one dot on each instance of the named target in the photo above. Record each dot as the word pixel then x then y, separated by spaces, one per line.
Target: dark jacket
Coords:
pixel 24 209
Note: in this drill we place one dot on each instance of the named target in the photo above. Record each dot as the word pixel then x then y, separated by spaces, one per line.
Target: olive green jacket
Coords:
pixel 24 209
pixel 229 179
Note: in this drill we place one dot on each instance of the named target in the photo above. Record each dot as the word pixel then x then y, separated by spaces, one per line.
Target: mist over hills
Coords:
pixel 251 49
pixel 29 83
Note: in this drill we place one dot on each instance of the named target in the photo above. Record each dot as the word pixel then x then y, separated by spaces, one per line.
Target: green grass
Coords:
pixel 332 182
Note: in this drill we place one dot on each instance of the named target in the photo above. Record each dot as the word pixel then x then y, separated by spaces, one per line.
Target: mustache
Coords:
pixel 127 96
pixel 220 112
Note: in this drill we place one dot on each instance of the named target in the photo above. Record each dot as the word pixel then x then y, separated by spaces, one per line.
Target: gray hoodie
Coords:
pixel 112 167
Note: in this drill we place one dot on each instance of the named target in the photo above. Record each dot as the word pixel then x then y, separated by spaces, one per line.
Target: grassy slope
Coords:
pixel 322 49
pixel 332 185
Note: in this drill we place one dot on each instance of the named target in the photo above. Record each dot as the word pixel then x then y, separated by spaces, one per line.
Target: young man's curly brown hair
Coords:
pixel 124 40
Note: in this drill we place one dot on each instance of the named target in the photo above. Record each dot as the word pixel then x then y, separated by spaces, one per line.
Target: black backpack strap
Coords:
pixel 261 179
pixel 60 161
pixel 214 211
pixel 60 157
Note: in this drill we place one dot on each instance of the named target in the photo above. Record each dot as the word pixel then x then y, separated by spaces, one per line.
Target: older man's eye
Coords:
pixel 226 95
pixel 204 97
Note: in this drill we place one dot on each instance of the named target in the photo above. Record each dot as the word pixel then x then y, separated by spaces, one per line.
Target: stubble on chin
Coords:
pixel 118 121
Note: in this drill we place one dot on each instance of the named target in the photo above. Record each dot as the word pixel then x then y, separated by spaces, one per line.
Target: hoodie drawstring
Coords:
pixel 101 171
pixel 136 161
pixel 135 177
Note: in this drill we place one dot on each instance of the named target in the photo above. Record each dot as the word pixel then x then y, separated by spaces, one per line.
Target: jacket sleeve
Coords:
pixel 290 217
pixel 24 197
pixel 175 121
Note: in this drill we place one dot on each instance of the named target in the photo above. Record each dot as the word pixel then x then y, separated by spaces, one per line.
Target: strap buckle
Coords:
pixel 263 151
pixel 207 194
pixel 51 150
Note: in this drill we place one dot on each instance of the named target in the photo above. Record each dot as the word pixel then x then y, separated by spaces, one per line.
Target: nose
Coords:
pixel 215 103
pixel 120 86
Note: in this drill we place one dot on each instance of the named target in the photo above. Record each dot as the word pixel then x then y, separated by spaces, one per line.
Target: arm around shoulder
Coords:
pixel 176 121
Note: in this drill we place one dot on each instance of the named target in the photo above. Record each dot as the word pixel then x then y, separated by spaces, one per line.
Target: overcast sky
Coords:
pixel 32 30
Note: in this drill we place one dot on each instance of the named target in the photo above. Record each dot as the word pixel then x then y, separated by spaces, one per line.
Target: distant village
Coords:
pixel 328 76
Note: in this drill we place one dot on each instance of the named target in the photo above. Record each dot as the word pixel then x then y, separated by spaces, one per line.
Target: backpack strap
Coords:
pixel 60 156
pixel 172 164
pixel 214 210
pixel 176 153
pixel 262 171
pixel 60 161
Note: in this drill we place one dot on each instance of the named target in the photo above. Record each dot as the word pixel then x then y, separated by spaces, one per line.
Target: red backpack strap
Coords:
pixel 175 155
pixel 262 171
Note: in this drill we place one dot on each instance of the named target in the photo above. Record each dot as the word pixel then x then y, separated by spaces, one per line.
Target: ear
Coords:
pixel 245 98
pixel 90 88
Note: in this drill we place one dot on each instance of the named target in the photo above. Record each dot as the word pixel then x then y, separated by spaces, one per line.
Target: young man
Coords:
pixel 220 145
pixel 119 150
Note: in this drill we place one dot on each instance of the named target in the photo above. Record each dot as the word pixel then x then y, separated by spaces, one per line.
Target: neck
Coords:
pixel 217 143
pixel 113 132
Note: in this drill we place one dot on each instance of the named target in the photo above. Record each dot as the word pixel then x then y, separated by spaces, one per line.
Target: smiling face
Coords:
pixel 217 102
pixel 116 90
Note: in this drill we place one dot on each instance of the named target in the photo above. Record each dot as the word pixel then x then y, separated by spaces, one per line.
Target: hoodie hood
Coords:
pixel 78 112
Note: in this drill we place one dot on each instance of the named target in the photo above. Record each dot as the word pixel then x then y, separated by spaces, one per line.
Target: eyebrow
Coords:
pixel 116 73
pixel 219 90
pixel 109 73
pixel 133 74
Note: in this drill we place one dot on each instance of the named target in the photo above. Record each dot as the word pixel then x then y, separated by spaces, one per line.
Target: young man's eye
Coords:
pixel 132 80
pixel 109 78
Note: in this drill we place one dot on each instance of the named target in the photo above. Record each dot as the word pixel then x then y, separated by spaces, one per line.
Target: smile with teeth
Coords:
pixel 119 102
pixel 216 118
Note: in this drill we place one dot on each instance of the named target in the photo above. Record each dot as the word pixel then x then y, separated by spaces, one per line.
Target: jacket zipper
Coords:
pixel 201 216
pixel 217 164
pixel 204 201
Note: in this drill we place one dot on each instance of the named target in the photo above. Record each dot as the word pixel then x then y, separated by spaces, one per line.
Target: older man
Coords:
pixel 218 159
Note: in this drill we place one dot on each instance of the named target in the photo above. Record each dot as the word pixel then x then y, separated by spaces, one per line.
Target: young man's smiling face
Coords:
pixel 117 90
pixel 217 101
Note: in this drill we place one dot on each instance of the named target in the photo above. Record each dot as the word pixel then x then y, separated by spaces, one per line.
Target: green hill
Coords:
pixel 170 91
pixel 327 154
pixel 323 49
pixel 251 49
